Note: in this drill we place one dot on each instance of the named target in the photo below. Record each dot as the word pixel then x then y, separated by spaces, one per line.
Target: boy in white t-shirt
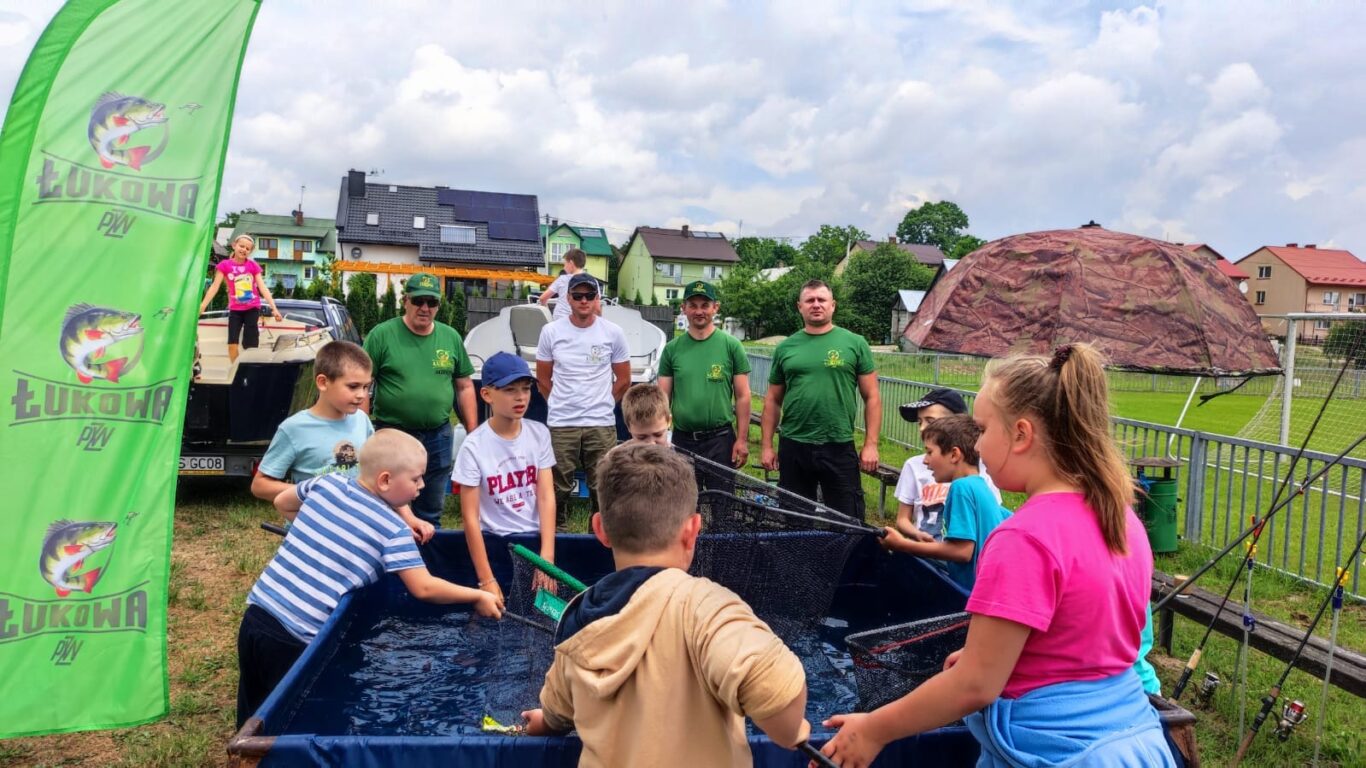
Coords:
pixel 920 497
pixel 503 469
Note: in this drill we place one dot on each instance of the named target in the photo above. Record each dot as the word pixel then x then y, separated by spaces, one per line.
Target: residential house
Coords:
pixel 903 312
pixel 659 262
pixel 438 227
pixel 559 238
pixel 290 249
pixel 1231 270
pixel 929 255
pixel 1294 278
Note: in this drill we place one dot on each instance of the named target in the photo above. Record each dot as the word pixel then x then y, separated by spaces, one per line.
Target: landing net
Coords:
pixel 890 662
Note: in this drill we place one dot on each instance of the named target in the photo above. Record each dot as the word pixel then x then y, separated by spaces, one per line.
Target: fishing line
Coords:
pixel 1328 668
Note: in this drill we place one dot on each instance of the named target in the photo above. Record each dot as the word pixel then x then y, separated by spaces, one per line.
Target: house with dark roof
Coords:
pixel 559 238
pixel 929 255
pixel 437 226
pixel 1295 278
pixel 290 249
pixel 659 262
pixel 1231 270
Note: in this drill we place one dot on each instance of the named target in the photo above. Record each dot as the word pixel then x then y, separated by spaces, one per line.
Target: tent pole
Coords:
pixel 1182 418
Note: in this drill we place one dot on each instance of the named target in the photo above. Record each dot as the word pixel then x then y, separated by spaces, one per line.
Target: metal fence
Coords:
pixel 1224 482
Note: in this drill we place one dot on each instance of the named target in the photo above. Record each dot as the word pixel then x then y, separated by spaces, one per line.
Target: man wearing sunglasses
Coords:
pixel 583 367
pixel 421 368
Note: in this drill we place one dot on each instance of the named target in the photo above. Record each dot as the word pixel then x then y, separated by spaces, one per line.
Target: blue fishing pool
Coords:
pixel 393 681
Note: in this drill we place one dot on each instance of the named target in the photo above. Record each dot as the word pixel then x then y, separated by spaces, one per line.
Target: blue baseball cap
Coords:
pixel 503 368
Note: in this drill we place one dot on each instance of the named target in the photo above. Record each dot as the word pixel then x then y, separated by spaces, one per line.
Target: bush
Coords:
pixel 388 303
pixel 453 311
pixel 361 303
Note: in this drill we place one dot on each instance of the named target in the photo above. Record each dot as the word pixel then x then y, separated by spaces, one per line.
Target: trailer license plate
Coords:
pixel 201 465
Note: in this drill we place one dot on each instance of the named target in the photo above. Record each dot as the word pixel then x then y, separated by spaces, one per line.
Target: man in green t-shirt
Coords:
pixel 421 369
pixel 705 374
pixel 815 375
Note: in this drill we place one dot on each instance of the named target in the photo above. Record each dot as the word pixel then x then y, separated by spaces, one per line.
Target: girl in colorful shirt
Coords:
pixel 1046 675
pixel 245 290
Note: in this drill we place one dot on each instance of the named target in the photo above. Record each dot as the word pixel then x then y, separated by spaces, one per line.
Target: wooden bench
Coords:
pixel 1271 637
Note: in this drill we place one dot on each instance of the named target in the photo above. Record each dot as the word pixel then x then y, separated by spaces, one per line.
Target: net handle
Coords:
pixel 547 567
pixel 879 649
pixel 849 525
pixel 529 622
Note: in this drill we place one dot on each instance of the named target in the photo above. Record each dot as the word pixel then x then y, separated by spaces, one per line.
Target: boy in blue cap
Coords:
pixel 503 469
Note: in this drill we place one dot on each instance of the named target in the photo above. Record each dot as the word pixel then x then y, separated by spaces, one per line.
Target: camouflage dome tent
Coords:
pixel 1148 305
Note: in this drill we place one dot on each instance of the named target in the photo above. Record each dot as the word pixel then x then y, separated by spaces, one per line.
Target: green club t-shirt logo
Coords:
pixel 714 373
pixel 832 359
pixel 443 362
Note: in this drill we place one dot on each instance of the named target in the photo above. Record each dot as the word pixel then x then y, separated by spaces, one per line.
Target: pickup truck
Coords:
pixel 235 407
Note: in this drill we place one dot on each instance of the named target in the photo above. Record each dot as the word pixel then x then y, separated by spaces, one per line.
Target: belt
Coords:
pixel 705 434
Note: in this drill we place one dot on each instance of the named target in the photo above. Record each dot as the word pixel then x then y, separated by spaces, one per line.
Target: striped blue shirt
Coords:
pixel 343 538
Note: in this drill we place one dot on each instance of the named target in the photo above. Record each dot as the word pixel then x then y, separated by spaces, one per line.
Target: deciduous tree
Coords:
pixel 939 224
pixel 871 282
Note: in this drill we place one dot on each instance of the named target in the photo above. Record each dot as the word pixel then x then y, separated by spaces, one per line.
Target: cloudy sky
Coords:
pixel 1233 123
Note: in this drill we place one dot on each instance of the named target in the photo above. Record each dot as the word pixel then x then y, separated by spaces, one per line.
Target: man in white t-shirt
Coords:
pixel 583 367
pixel 921 499
pixel 574 259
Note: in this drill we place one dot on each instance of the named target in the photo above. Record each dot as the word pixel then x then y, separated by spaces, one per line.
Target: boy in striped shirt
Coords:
pixel 345 536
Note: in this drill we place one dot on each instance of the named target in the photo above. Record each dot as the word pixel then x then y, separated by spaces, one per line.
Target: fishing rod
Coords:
pixel 278 530
pixel 1328 668
pixel 1294 713
pixel 1255 531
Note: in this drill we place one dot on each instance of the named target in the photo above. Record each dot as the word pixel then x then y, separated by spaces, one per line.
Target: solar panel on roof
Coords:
pixel 507 231
pixel 510 217
pixel 591 232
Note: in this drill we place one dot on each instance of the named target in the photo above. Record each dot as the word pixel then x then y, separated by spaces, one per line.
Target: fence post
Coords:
pixel 1195 488
pixel 936 368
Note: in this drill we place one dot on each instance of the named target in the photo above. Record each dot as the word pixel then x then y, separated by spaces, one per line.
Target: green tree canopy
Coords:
pixel 765 252
pixel 360 301
pixel 388 303
pixel 871 282
pixel 1347 341
pixel 769 308
pixel 938 224
pixel 964 245
pixel 230 219
pixel 830 243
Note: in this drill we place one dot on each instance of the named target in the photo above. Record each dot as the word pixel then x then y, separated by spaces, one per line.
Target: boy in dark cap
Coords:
pixel 920 497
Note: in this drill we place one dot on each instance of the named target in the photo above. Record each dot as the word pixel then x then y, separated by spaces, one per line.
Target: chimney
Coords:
pixel 1311 245
pixel 355 183
pixel 299 218
pixel 891 239
pixel 1090 225
pixel 686 233
pixel 1292 245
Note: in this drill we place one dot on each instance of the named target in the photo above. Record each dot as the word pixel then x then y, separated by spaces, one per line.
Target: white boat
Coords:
pixel 517 329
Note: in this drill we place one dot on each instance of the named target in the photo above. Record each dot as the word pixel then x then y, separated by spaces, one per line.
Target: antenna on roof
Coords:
pixel 375 172
pixel 302 187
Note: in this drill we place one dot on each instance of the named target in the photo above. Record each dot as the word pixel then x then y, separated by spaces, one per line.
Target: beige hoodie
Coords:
pixel 669 679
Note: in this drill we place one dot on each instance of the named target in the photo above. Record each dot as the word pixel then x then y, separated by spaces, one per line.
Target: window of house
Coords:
pixel 419 222
pixel 558 250
pixel 671 293
pixel 456 234
pixel 308 273
pixel 712 272
pixel 1322 325
pixel 1264 272
pixel 1260 297
pixel 268 244
pixel 1331 297
pixel 1357 300
pixel 667 269
pixel 372 219
pixel 303 246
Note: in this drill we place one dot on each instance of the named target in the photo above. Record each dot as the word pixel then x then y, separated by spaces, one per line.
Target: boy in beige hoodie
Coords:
pixel 653 666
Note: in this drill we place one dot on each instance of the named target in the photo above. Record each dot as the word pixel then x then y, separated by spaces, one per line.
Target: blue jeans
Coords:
pixel 436 481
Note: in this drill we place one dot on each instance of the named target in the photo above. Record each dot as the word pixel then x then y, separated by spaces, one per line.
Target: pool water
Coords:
pixel 437 672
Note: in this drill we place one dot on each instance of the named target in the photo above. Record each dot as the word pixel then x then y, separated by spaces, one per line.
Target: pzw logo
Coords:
pixel 65 652
pixel 115 223
pixel 94 436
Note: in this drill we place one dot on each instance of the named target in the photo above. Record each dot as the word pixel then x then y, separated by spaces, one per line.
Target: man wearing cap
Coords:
pixel 816 378
pixel 705 375
pixel 920 499
pixel 421 369
pixel 583 367
pixel 574 259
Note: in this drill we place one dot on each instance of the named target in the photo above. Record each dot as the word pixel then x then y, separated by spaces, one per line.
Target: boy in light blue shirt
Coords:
pixel 971 511
pixel 327 437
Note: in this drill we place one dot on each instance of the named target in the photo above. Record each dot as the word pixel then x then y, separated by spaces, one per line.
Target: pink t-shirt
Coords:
pixel 241 281
pixel 1047 568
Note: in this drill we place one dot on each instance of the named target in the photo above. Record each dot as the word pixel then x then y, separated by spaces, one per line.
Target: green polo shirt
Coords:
pixel 415 375
pixel 820 374
pixel 703 372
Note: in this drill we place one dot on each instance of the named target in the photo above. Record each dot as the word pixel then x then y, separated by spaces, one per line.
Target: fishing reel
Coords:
pixel 1208 686
pixel 1291 716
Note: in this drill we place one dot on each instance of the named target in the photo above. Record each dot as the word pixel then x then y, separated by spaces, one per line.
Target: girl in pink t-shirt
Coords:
pixel 1062 587
pixel 245 291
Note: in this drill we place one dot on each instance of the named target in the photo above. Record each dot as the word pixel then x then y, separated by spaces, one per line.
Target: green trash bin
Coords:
pixel 1157 504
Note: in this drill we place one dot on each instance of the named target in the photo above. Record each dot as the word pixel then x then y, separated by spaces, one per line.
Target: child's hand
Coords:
pixel 952 659
pixel 535 723
pixel 275 313
pixel 853 746
pixel 423 531
pixel 893 540
pixel 542 580
pixel 496 591
pixel 487 605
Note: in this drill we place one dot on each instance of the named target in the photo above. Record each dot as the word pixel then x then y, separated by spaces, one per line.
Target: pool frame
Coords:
pixel 904 587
